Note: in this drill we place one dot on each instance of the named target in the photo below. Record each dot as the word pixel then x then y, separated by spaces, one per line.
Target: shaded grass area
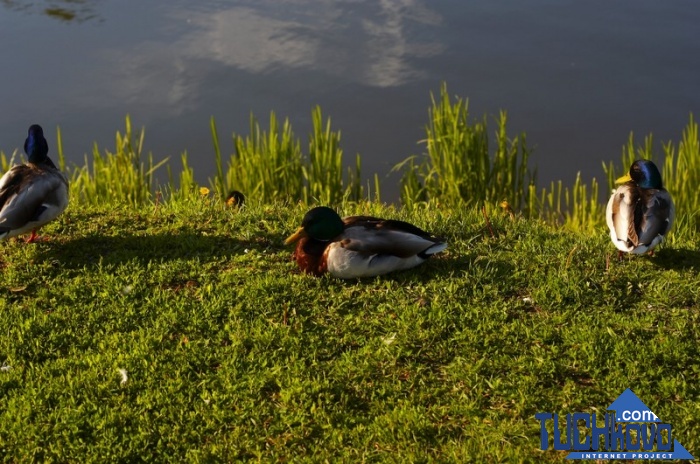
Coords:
pixel 231 354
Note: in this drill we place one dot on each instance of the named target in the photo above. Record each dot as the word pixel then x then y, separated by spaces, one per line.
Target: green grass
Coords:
pixel 232 354
pixel 119 176
pixel 270 165
pixel 459 168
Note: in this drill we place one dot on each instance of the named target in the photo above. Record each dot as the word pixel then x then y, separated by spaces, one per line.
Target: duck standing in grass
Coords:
pixel 359 246
pixel 640 212
pixel 32 194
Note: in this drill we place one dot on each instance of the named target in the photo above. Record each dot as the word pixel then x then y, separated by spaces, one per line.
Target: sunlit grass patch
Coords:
pixel 183 331
pixel 270 165
pixel 461 166
pixel 124 175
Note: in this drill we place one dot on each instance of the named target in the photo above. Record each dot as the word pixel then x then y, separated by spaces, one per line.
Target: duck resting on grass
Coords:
pixel 359 246
pixel 640 212
pixel 31 194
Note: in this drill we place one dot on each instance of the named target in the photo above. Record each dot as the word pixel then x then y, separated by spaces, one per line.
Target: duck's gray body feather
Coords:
pixel 30 196
pixel 371 246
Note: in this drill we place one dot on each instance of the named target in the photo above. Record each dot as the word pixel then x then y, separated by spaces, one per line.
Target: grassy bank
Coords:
pixel 229 353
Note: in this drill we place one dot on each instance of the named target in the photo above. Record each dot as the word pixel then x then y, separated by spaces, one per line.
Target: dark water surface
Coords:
pixel 576 76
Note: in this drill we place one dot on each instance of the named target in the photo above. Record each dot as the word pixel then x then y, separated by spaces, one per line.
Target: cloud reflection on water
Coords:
pixel 368 43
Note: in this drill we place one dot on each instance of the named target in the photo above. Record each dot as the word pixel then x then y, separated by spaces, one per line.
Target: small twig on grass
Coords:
pixel 488 223
pixel 568 258
pixel 159 198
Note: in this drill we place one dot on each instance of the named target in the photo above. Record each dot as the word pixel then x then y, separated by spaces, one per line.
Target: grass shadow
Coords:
pixel 677 259
pixel 112 250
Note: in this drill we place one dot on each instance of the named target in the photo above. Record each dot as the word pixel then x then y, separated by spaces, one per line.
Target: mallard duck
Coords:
pixel 640 212
pixel 359 246
pixel 31 194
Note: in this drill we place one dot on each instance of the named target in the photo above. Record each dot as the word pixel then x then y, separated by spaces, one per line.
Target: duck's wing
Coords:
pixel 12 182
pixel 621 212
pixel 23 192
pixel 370 235
pixel 654 214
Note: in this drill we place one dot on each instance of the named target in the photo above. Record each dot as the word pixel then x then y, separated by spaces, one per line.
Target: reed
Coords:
pixel 579 208
pixel 462 166
pixel 121 176
pixel 681 172
pixel 323 172
pixel 459 167
pixel 265 165
pixel 187 186
pixel 269 165
pixel 5 162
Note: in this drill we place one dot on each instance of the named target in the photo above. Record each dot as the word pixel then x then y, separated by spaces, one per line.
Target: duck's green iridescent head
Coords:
pixel 645 174
pixel 320 223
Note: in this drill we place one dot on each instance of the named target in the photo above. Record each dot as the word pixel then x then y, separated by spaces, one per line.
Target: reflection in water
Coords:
pixel 62 10
pixel 369 43
pixel 389 46
pixel 366 42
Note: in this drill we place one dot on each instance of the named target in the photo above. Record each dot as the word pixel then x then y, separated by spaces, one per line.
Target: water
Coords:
pixel 576 76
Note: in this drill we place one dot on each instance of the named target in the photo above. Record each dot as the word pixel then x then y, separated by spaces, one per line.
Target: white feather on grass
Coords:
pixel 124 375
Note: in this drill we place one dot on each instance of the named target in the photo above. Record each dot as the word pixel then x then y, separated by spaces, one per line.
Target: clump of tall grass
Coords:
pixel 187 186
pixel 121 176
pixel 459 167
pixel 681 171
pixel 323 173
pixel 270 165
pixel 265 164
pixel 575 208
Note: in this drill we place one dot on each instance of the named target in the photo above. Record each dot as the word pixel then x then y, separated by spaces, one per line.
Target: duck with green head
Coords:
pixel 34 193
pixel 359 246
pixel 640 212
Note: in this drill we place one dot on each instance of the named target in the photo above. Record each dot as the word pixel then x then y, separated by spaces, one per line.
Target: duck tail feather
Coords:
pixel 433 249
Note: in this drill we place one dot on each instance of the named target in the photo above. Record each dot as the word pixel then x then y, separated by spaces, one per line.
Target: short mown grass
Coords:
pixel 231 354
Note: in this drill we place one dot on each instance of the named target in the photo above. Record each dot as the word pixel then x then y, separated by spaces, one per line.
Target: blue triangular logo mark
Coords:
pixel 679 452
pixel 629 408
